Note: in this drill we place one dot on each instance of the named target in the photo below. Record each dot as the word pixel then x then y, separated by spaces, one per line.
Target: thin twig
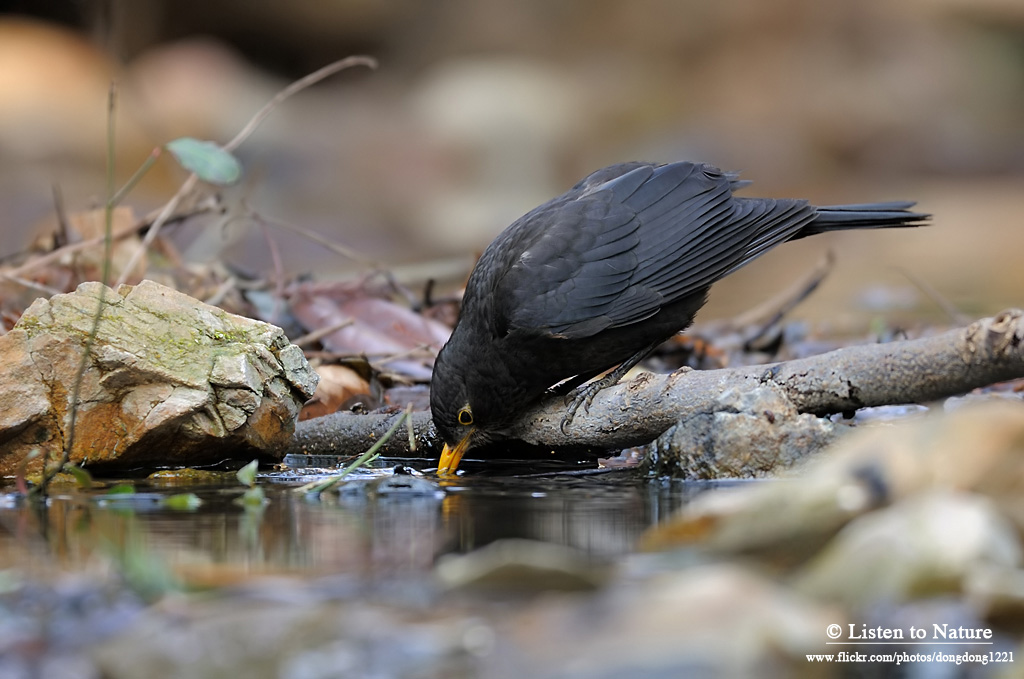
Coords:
pixel 222 290
pixel 72 248
pixel 295 87
pixel 320 333
pixel 279 274
pixel 325 484
pixel 768 313
pixel 151 235
pixel 108 219
pixel 137 175
pixel 954 314
pixel 788 299
pixel 31 285
pixel 334 247
pixel 68 249
pixel 108 227
pixel 412 430
pixel 63 232
pixel 424 350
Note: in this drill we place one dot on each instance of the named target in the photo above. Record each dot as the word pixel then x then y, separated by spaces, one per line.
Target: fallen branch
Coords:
pixel 344 433
pixel 636 412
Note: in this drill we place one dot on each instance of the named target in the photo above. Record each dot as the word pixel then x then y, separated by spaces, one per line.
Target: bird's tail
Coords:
pixel 863 216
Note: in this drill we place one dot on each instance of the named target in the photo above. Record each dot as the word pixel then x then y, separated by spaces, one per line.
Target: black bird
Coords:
pixel 600 276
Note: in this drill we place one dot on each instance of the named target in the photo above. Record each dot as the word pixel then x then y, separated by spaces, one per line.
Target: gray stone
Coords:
pixel 751 433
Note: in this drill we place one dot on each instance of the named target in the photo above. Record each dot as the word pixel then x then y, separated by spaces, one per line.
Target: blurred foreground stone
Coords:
pixel 893 513
pixel 931 544
pixel 707 621
pixel 522 566
pixel 710 620
pixel 170 381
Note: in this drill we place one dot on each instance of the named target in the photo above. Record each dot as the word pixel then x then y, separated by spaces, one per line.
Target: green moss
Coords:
pixel 191 477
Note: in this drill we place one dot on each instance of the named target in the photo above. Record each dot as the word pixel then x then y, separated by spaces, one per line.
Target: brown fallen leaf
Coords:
pixel 338 384
pixel 369 323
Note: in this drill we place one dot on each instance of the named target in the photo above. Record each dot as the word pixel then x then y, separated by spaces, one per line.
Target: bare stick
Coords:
pixel 336 248
pixel 754 323
pixel 160 220
pixel 371 454
pixel 955 315
pixel 342 432
pixel 72 248
pixel 108 220
pixel 769 313
pixel 31 285
pixel 320 333
pixel 295 87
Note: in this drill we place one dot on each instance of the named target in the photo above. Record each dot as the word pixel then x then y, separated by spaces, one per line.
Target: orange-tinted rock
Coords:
pixel 170 380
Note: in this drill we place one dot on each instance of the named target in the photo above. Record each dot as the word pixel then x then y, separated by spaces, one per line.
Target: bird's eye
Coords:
pixel 465 417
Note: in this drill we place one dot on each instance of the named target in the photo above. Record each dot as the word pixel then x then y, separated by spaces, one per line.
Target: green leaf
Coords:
pixel 247 474
pixel 121 489
pixel 253 497
pixel 208 160
pixel 82 477
pixel 183 501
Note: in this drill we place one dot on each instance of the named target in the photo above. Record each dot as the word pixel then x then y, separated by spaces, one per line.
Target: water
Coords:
pixel 95 582
pixel 343 584
pixel 355 532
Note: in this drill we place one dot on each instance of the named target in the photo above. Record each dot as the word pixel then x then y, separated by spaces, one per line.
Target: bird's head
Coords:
pixel 457 428
pixel 466 411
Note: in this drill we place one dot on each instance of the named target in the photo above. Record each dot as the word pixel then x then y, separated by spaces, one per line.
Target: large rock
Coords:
pixel 170 380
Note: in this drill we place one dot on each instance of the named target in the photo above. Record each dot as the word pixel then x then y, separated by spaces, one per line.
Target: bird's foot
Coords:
pixel 583 396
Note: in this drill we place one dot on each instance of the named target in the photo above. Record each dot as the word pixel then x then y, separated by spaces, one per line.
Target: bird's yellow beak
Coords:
pixel 450 457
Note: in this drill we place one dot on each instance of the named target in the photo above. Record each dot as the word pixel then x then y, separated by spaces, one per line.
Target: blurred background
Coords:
pixel 482 109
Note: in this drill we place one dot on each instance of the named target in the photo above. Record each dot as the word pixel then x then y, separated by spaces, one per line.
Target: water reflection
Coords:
pixel 600 517
pixel 363 535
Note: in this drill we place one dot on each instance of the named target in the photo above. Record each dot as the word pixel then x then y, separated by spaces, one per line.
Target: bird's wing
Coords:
pixel 617 252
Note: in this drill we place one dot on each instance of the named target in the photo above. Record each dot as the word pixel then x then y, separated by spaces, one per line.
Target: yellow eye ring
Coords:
pixel 465 417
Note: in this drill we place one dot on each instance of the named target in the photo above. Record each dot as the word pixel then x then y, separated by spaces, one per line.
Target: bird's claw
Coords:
pixel 581 396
